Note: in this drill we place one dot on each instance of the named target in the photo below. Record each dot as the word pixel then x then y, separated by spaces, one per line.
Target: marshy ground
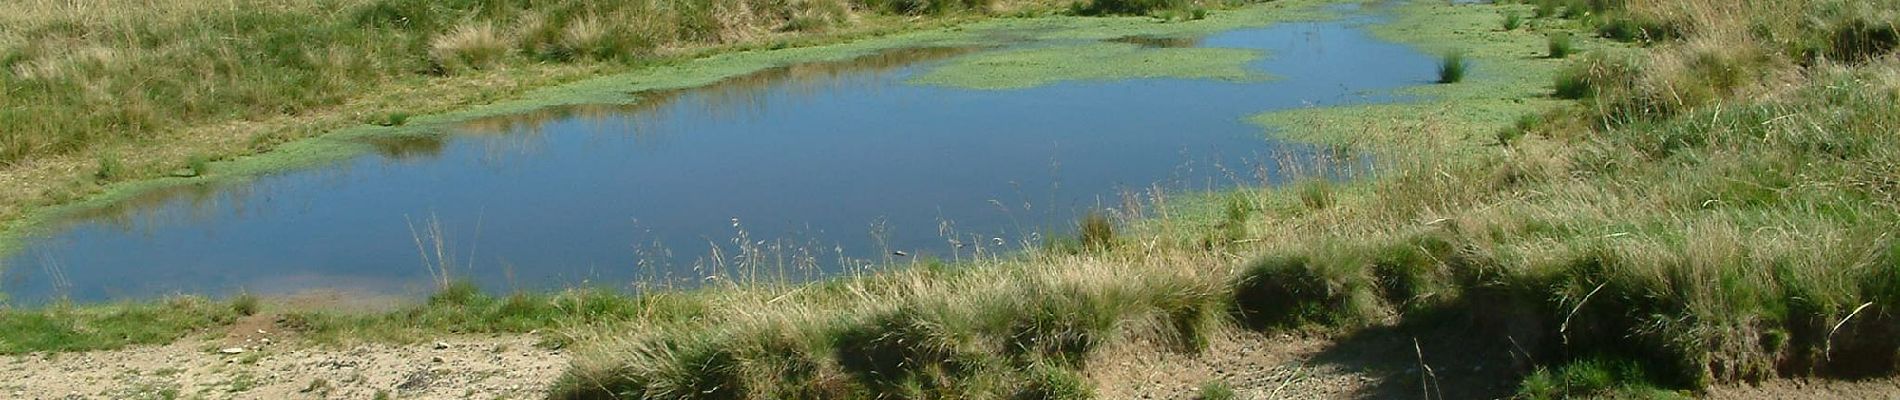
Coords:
pixel 1599 199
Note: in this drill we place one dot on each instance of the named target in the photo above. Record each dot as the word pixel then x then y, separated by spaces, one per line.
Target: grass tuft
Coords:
pixel 1216 390
pixel 1287 291
pixel 1053 383
pixel 1315 193
pixel 1095 231
pixel 1560 46
pixel 108 168
pixel 1544 9
pixel 393 118
pixel 245 304
pixel 1451 67
pixel 198 164
pixel 906 346
pixel 1131 7
pixel 469 47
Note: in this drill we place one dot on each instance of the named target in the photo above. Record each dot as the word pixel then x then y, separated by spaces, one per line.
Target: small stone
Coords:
pixel 436 359
pixel 232 350
pixel 441 345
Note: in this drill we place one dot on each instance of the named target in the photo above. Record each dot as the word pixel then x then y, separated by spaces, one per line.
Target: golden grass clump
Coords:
pixel 475 46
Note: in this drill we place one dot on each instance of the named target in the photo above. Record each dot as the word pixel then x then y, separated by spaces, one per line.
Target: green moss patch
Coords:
pixel 1026 68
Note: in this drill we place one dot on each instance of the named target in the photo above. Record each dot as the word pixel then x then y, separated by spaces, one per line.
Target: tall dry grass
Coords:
pixel 83 73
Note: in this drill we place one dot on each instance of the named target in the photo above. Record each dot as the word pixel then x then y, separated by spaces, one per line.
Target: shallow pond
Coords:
pixel 799 171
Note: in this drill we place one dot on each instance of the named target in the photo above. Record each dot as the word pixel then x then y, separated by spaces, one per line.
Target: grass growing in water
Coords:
pixel 1096 231
pixel 1560 46
pixel 1451 67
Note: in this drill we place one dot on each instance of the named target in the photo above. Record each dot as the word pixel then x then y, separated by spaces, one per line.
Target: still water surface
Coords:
pixel 819 167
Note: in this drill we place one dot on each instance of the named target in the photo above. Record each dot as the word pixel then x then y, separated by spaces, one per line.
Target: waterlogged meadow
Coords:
pixel 792 173
pixel 1551 199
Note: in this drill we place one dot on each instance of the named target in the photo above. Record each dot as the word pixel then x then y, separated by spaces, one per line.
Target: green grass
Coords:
pixel 1592 378
pixel 1545 9
pixel 197 164
pixel 1674 224
pixel 103 327
pixel 1013 329
pixel 1560 46
pixel 1451 67
pixel 1513 20
pixel 1096 231
pixel 1092 61
pixel 108 168
pixel 461 308
pixel 77 80
pixel 1132 7
pixel 1216 390
pixel 1574 9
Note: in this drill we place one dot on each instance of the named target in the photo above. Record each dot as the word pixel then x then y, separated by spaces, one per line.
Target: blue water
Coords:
pixel 818 168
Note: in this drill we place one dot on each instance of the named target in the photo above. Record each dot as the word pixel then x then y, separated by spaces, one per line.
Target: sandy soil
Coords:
pixel 455 367
pixel 1370 364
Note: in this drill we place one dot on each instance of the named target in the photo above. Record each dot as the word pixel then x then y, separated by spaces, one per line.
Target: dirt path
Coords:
pixel 457 367
pixel 1372 364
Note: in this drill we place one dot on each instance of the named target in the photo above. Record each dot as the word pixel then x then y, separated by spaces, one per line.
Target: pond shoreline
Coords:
pixel 125 203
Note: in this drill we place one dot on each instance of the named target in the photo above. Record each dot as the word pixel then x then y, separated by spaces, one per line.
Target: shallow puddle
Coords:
pixel 799 171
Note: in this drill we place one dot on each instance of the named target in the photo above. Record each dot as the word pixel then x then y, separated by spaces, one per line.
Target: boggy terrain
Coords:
pixel 1600 199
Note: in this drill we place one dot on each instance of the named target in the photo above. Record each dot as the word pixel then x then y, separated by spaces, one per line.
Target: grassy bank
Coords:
pixel 1704 193
pixel 1714 205
pixel 98 94
pixel 118 176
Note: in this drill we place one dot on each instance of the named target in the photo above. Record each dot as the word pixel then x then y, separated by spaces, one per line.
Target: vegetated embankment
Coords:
pixel 99 94
pixel 1705 194
pixel 1669 196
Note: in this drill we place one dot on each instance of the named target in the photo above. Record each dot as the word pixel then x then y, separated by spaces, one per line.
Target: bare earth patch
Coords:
pixel 1255 365
pixel 1372 363
pixel 457 367
pixel 1877 388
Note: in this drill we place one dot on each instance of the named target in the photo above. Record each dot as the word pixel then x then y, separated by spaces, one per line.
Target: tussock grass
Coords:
pixel 1545 9
pixel 1216 390
pixel 1451 67
pixel 475 46
pixel 1705 212
pixel 1560 46
pixel 1014 328
pixel 1096 232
